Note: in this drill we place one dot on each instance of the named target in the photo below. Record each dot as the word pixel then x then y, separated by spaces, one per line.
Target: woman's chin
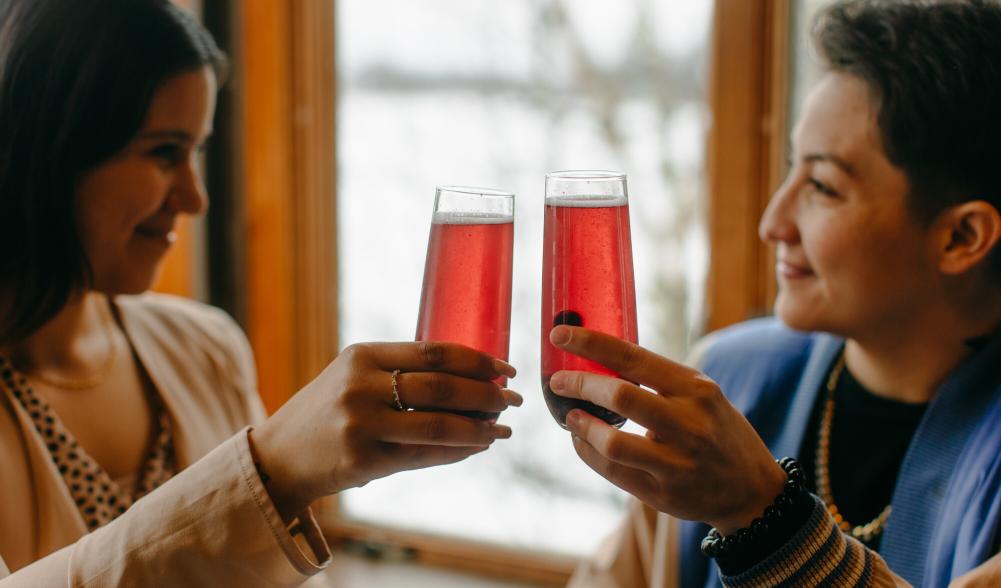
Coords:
pixel 798 314
pixel 131 284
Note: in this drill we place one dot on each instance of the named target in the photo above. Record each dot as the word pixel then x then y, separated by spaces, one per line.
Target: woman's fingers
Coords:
pixel 433 357
pixel 438 390
pixel 634 481
pixel 633 362
pixel 440 429
pixel 627 399
pixel 627 449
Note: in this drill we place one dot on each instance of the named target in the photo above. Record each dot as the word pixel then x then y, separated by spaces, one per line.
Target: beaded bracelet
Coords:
pixel 715 545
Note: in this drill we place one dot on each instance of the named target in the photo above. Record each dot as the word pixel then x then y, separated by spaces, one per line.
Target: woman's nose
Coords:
pixel 778 223
pixel 189 195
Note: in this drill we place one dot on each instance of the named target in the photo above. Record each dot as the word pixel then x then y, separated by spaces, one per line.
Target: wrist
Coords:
pixel 279 482
pixel 768 484
pixel 738 551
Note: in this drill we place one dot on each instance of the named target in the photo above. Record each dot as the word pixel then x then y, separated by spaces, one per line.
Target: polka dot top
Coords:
pixel 99 499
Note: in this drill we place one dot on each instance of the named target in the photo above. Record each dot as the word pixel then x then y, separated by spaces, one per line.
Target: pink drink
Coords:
pixel 466 296
pixel 587 280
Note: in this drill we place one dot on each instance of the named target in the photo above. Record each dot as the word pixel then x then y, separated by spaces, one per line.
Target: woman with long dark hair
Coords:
pixel 127 455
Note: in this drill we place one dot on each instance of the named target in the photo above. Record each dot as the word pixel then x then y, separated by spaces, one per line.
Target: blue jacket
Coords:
pixel 947 501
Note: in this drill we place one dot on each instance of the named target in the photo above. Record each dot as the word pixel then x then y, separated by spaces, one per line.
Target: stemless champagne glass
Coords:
pixel 587 274
pixel 466 296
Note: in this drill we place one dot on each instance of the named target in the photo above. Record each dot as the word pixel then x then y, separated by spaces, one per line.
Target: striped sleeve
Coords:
pixel 820 554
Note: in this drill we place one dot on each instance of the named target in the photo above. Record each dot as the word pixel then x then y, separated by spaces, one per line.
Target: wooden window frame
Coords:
pixel 749 89
pixel 283 54
pixel 284 57
pixel 182 271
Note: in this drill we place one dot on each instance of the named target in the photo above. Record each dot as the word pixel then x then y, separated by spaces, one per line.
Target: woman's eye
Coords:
pixel 821 187
pixel 170 154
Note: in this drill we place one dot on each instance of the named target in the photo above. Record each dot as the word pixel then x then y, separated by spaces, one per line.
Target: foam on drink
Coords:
pixel 471 218
pixel 587 201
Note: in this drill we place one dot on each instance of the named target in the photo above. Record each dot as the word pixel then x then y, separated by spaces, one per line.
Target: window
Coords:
pixel 525 87
pixel 497 93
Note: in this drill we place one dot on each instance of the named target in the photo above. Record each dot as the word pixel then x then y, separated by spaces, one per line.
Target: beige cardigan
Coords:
pixel 212 524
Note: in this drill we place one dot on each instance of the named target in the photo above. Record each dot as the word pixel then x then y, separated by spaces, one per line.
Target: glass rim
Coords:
pixel 475 191
pixel 585 175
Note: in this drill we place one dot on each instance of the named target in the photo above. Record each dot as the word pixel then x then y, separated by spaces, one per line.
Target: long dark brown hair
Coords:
pixel 76 80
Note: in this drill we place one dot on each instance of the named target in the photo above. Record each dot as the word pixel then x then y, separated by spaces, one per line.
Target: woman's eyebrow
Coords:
pixel 829 158
pixel 172 134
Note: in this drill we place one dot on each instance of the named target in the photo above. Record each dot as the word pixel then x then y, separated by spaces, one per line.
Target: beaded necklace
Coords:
pixel 869 530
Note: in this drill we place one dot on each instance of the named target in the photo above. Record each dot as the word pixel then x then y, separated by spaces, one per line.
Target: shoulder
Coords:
pixel 763 337
pixel 200 345
pixel 190 327
pixel 761 356
pixel 765 340
pixel 183 317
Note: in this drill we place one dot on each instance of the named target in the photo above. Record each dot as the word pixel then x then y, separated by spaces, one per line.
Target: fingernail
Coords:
pixel 573 419
pixel 560 335
pixel 512 398
pixel 500 431
pixel 503 368
pixel 557 382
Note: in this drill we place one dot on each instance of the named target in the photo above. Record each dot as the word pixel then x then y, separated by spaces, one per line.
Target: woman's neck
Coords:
pixel 72 343
pixel 910 362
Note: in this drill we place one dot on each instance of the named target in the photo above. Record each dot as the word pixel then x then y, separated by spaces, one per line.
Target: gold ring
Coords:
pixel 397 404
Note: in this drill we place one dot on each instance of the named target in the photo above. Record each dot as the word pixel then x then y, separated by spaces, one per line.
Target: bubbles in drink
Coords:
pixel 587 281
pixel 466 297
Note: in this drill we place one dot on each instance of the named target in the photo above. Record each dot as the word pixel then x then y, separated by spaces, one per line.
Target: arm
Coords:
pixel 699 460
pixel 819 553
pixel 217 523
pixel 984 576
pixel 211 525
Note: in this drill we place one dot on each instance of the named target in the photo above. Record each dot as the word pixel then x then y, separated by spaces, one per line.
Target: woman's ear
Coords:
pixel 968 232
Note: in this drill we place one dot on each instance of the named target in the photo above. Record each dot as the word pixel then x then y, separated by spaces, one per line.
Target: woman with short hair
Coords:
pixel 881 372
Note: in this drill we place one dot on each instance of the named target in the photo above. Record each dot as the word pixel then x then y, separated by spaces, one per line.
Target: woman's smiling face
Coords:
pixel 127 206
pixel 851 255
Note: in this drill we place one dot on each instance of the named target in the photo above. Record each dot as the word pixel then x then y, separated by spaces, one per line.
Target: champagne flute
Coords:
pixel 587 274
pixel 466 295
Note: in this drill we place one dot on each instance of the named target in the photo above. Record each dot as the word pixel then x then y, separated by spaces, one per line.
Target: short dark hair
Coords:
pixel 934 70
pixel 76 80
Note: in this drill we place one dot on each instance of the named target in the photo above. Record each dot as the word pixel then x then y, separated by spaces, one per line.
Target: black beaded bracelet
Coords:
pixel 715 545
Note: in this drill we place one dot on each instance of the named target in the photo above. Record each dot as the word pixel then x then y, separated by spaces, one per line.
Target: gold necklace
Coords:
pixel 92 380
pixel 873 528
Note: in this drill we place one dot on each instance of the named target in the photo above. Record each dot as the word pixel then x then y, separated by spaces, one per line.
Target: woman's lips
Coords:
pixel 792 271
pixel 162 235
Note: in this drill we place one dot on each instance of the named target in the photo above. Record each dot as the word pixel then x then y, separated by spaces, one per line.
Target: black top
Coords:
pixel 869 437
